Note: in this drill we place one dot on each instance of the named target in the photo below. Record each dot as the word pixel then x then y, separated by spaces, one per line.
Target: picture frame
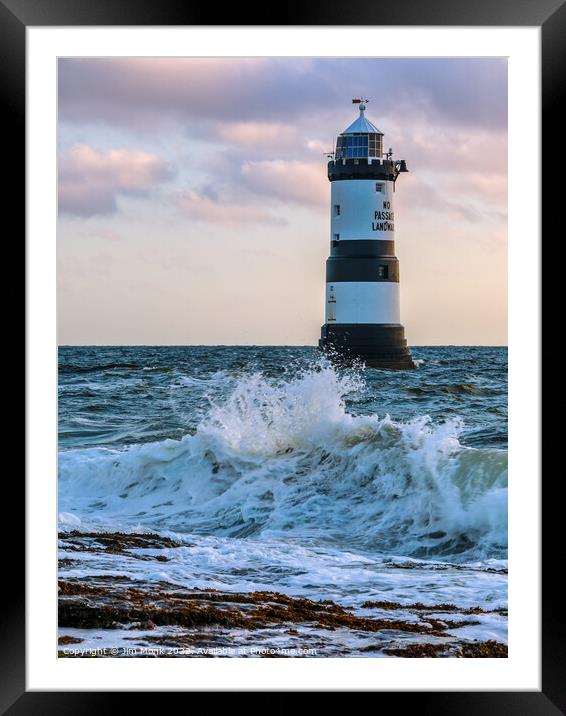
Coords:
pixel 15 17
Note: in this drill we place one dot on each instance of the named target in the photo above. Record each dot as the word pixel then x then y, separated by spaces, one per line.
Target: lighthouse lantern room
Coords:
pixel 362 272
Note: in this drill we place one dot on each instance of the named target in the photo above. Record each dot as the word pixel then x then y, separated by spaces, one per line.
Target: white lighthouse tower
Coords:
pixel 362 273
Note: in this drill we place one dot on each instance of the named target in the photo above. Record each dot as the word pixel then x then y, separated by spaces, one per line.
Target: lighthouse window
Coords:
pixel 359 146
pixel 352 146
pixel 336 209
pixel 375 145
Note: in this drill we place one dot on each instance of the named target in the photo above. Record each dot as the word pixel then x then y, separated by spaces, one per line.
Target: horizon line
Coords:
pixel 261 345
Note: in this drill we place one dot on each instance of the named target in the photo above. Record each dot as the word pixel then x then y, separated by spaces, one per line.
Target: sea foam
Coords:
pixel 283 457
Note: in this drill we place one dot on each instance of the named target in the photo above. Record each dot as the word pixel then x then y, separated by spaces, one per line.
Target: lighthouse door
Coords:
pixel 331 306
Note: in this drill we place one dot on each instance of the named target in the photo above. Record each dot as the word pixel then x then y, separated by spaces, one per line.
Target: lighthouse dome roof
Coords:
pixel 361 140
pixel 362 126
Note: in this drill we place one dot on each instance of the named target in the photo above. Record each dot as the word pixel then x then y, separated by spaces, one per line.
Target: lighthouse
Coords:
pixel 362 317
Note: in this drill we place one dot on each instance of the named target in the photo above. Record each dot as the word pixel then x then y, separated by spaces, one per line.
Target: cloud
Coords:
pixel 247 137
pixel 472 198
pixel 204 205
pixel 259 127
pixel 470 92
pixel 449 149
pixel 273 135
pixel 90 181
pixel 295 181
pixel 142 90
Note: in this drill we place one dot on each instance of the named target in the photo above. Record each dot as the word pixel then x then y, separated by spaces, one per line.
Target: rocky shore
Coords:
pixel 117 615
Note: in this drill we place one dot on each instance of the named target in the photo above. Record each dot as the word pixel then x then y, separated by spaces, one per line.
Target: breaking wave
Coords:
pixel 283 457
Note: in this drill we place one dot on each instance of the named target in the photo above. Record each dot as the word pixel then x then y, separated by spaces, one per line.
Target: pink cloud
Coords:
pixel 449 149
pixel 200 207
pixel 90 180
pixel 270 134
pixel 469 92
pixel 473 199
pixel 296 181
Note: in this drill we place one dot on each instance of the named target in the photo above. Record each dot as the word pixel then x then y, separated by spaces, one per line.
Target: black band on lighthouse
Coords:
pixel 362 269
pixel 379 345
pixel 362 247
pixel 361 169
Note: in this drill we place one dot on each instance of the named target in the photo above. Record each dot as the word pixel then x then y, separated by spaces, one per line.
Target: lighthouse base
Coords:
pixel 377 345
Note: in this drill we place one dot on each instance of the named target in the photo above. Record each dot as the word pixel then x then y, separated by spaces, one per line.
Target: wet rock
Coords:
pixel 442 608
pixel 196 619
pixel 483 650
pixel 83 604
pixel 117 543
pixel 417 651
pixel 69 640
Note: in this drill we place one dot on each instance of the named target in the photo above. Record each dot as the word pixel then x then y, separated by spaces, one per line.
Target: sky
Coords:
pixel 194 203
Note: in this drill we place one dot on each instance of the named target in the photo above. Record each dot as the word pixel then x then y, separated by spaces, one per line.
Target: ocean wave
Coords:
pixel 450 388
pixel 283 457
pixel 74 368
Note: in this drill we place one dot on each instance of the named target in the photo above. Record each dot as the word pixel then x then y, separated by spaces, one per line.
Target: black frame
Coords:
pixel 550 15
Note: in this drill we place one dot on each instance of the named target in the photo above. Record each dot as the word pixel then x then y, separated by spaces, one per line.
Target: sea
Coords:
pixel 283 472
